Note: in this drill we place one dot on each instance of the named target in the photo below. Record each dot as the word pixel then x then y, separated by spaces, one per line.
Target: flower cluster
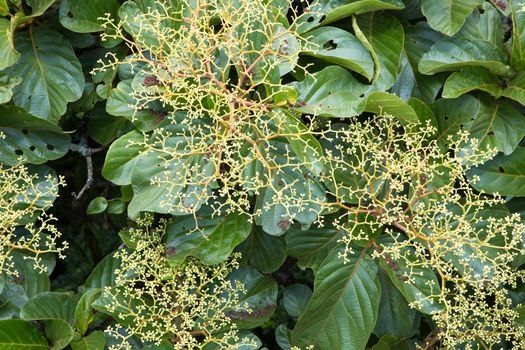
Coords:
pixel 187 304
pixel 25 226
pixel 215 67
pixel 435 223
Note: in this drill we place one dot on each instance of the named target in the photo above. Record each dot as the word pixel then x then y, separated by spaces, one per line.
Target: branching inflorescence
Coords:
pixel 156 301
pixel 25 227
pixel 229 140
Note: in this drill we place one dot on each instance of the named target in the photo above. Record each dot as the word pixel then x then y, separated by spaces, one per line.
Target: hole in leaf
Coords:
pixel 310 19
pixel 490 133
pixel 322 19
pixel 501 170
pixel 446 118
pixel 32 148
pixel 461 126
pixel 362 95
pixel 24 131
pixel 330 45
pixel 50 147
pixel 19 152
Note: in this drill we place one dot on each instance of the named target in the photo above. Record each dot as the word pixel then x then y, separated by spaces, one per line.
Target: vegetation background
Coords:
pixel 266 174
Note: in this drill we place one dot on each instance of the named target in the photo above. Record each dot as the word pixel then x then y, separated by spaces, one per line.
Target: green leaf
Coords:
pixel 448 16
pixel 84 16
pixel 8 54
pixel 332 92
pixel 122 157
pixel 104 128
pixel 498 125
pixel 103 275
pixel 38 7
pixel 50 71
pixel 423 290
pixel 384 103
pixel 211 239
pixel 419 38
pixel 304 144
pixel 83 311
pixel 93 341
pixel 7 83
pixel 97 205
pixel 328 11
pixel 59 332
pixel 282 336
pixel 338 46
pixel 258 302
pixel 518 34
pixel 50 306
pixel 119 104
pixel 296 298
pixel 391 342
pixel 20 335
pixel 4 8
pixel 395 317
pixel 29 139
pixel 312 246
pixel 469 79
pixel 454 115
pixel 504 174
pixel 455 53
pixel 386 37
pixel 516 88
pixel 263 251
pixel 343 309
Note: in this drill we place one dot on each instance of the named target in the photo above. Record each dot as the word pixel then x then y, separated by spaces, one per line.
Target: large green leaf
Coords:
pixel 332 92
pixel 7 83
pixel 263 251
pixel 211 239
pixel 50 306
pixel 50 71
pixel 29 139
pixel 83 311
pixel 84 16
pixel 518 34
pixel 122 157
pixel 382 102
pixel 469 79
pixel 343 309
pixel 423 290
pixel 395 316
pixel 120 102
pixel 498 125
pixel 59 332
pixel 8 54
pixel 304 144
pixel 296 298
pixel 258 301
pixel 328 11
pixel 516 88
pixel 338 46
pixel 311 247
pixel 448 16
pixel 386 37
pixel 94 341
pixel 505 174
pixel 20 335
pixel 454 115
pixel 455 53
pixel 419 38
pixel 103 275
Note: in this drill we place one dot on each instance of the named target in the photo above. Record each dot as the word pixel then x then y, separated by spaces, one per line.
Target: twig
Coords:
pixel 86 152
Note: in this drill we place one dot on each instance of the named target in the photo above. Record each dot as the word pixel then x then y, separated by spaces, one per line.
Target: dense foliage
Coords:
pixel 262 174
